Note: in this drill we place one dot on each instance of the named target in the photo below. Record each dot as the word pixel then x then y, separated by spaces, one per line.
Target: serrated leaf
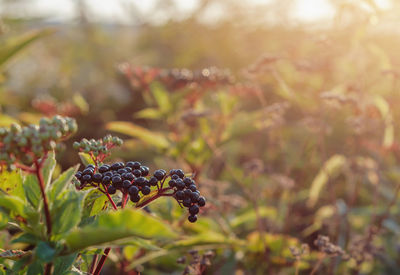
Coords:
pixel 148 137
pixel 116 225
pixel 58 186
pixel 48 168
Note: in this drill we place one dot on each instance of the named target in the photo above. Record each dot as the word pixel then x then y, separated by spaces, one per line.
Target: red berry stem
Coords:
pixel 160 193
pixel 102 261
pixel 38 171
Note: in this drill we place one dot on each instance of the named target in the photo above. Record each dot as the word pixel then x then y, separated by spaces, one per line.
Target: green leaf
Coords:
pixel 32 190
pixel 27 238
pixel 14 204
pixel 66 213
pixel 3 219
pixel 116 225
pixel 45 252
pixel 250 217
pixel 11 47
pixel 149 113
pixel 94 203
pixel 6 121
pixel 161 96
pixel 64 263
pixel 35 268
pixel 331 168
pixel 11 183
pixel 85 158
pixel 48 168
pixel 58 186
pixel 13 254
pixel 152 138
pixel 81 103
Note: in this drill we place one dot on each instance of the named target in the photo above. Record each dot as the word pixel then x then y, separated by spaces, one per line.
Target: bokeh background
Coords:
pixel 285 110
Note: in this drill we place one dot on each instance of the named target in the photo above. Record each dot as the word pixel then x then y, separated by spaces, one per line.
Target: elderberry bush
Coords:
pixel 134 179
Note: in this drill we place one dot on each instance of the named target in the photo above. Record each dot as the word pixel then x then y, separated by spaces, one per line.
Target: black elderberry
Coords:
pixel 188 193
pixel 126 184
pixel 192 187
pixel 172 172
pixel 201 201
pixel 88 171
pixel 86 178
pixel 194 209
pixel 159 174
pixel 135 198
pixel 179 184
pixel 78 175
pixel 146 190
pixel 108 174
pixel 111 190
pixel 133 164
pixel 128 176
pixel 90 166
pixel 104 168
pixel 187 181
pixel 186 202
pixel 106 179
pixel 116 179
pixel 137 173
pixel 192 218
pixel 133 190
pixel 121 171
pixel 195 197
pixel 145 170
pixel 140 181
pixel 97 177
pixel 175 177
pixel 172 183
pixel 115 166
pixel 153 181
pixel 128 169
pixel 179 195
pixel 180 173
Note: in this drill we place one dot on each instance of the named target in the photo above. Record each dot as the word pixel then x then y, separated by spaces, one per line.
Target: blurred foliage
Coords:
pixel 302 142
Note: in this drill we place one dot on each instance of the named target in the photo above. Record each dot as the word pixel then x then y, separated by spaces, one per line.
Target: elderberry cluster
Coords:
pixel 186 193
pixel 25 144
pixel 97 147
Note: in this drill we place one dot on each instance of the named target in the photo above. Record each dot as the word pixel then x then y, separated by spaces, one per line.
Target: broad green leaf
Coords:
pixel 11 183
pixel 45 252
pixel 161 96
pixel 14 204
pixel 66 213
pixel 6 121
pixel 3 219
pixel 27 238
pixel 12 46
pixel 58 186
pixel 35 268
pixel 48 168
pixel 116 225
pixel 152 138
pixel 85 158
pixel 206 238
pixel 149 113
pixel 32 190
pixel 331 168
pixel 64 263
pixel 94 203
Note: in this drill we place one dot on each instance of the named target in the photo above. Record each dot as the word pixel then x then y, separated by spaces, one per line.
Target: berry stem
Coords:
pixel 124 200
pixel 47 269
pixel 93 264
pixel 160 193
pixel 102 261
pixel 25 168
pixel 39 176
pixel 111 201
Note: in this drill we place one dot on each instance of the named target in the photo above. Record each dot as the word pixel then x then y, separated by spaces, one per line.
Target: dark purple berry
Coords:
pixel 146 190
pixel 116 179
pixel 128 176
pixel 192 187
pixel 187 202
pixel 175 177
pixel 180 173
pixel 88 171
pixel 86 177
pixel 179 184
pixel 201 201
pixel 115 166
pixel 195 197
pixel 133 164
pixel 97 177
pixel 90 166
pixel 179 195
pixel 111 190
pixel 192 218
pixel 140 181
pixel 153 181
pixel 128 169
pixel 126 184
pixel 194 209
pixel 188 193
pixel 159 174
pixel 109 174
pixel 133 190
pixel 104 168
pixel 121 171
pixel 187 181
pixel 171 183
pixel 145 170
pixel 78 175
pixel 106 179
pixel 137 173
pixel 172 172
pixel 135 198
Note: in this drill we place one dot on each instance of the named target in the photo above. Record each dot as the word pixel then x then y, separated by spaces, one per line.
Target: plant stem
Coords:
pixel 159 194
pixel 93 264
pixel 47 269
pixel 39 176
pixel 102 261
